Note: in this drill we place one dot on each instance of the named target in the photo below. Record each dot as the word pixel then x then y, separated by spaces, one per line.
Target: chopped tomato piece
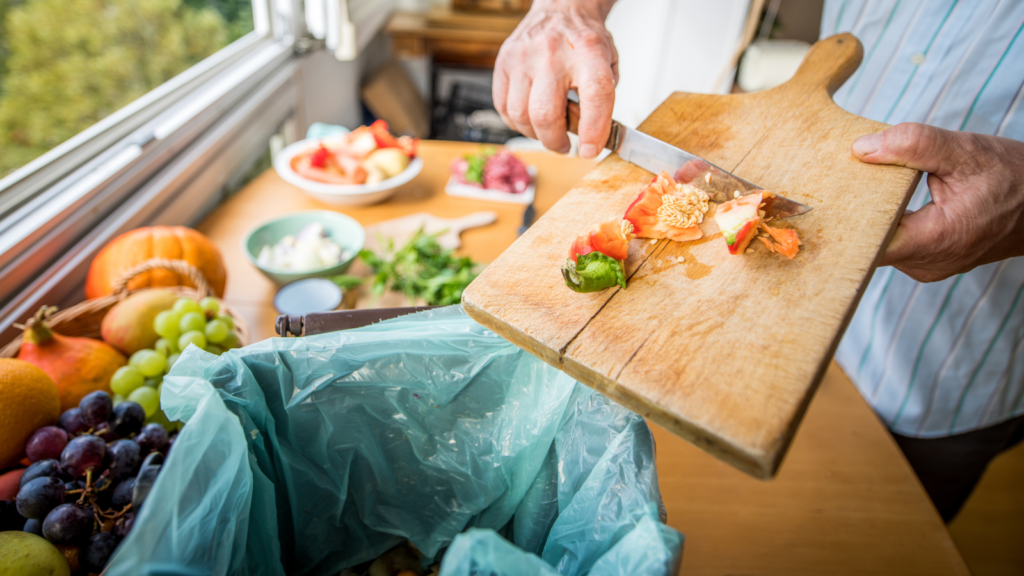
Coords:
pixel 608 238
pixel 319 157
pixel 408 145
pixel 785 241
pixel 381 133
pixel 668 209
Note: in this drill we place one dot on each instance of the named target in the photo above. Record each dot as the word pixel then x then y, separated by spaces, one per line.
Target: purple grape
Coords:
pixel 96 408
pixel 10 518
pixel 46 443
pixel 38 497
pixel 123 493
pixel 97 551
pixel 152 438
pixel 82 454
pixel 105 433
pixel 73 485
pixel 71 421
pixel 33 526
pixel 124 524
pixel 41 469
pixel 123 457
pixel 66 524
pixel 127 419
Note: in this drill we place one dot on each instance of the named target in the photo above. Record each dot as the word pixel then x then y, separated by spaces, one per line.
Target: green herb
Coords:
pixel 421 269
pixel 475 170
pixel 593 272
pixel 347 281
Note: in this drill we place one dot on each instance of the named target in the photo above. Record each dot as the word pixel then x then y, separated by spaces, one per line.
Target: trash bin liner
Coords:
pixel 305 456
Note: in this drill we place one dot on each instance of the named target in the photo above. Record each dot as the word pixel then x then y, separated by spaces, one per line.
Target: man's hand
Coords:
pixel 560 44
pixel 976 215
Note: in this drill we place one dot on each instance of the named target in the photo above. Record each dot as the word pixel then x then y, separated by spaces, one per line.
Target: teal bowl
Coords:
pixel 340 228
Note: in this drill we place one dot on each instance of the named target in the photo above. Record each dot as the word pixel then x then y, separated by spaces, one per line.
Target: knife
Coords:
pixel 656 156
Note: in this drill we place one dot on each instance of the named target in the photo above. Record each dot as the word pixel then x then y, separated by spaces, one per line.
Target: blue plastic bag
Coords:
pixel 305 456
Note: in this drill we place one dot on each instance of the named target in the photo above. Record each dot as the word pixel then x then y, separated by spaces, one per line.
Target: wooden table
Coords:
pixel 845 500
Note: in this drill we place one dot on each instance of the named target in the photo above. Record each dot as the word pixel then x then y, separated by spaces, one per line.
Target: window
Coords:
pixel 169 155
pixel 124 145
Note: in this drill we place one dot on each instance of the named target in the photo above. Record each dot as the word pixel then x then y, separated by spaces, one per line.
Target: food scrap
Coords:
pixel 784 241
pixel 596 258
pixel 367 155
pixel 672 210
pixel 668 209
pixel 738 220
pixel 492 168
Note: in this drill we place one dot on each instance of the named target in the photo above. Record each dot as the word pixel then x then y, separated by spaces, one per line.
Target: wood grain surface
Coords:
pixel 724 351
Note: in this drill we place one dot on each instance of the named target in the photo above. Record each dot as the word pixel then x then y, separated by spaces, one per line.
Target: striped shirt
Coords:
pixel 947 357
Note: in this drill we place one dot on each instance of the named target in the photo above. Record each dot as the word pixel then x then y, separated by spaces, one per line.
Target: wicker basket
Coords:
pixel 84 319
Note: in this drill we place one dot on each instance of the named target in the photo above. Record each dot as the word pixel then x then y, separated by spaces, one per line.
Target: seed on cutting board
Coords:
pixel 736 194
pixel 707 177
pixel 750 250
pixel 680 259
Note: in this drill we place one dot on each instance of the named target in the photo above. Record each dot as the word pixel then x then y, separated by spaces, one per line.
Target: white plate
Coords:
pixel 454 188
pixel 340 194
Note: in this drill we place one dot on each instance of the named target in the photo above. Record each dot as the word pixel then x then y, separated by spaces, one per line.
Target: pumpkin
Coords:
pixel 137 246
pixel 76 365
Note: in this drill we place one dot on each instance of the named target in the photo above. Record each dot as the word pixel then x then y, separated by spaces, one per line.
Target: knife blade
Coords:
pixel 656 156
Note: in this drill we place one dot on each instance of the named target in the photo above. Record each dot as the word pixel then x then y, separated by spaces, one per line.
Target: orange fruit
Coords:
pixel 28 401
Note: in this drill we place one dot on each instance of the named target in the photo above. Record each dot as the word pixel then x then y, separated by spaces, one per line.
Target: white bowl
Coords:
pixel 341 194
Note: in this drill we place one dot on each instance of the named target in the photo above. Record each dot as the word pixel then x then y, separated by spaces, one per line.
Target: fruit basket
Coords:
pixel 84 319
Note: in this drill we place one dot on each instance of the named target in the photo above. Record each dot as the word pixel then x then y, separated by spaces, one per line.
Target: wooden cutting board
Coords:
pixel 400 230
pixel 724 351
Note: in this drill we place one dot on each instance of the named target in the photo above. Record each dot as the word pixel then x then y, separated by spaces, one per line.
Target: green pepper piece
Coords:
pixel 593 272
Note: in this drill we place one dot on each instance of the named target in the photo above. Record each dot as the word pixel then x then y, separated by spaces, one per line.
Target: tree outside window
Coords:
pixel 66 64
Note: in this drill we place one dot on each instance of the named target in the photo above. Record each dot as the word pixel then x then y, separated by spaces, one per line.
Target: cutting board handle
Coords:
pixel 828 64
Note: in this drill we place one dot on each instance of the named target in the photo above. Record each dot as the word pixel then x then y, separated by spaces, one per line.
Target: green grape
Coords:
pixel 210 305
pixel 227 320
pixel 166 346
pixel 153 382
pixel 117 399
pixel 216 331
pixel 147 398
pixel 194 337
pixel 192 321
pixel 214 349
pixel 160 418
pixel 231 341
pixel 171 360
pixel 149 363
pixel 126 380
pixel 166 324
pixel 184 305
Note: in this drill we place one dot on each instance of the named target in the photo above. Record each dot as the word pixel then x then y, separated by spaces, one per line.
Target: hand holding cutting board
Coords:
pixel 976 215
